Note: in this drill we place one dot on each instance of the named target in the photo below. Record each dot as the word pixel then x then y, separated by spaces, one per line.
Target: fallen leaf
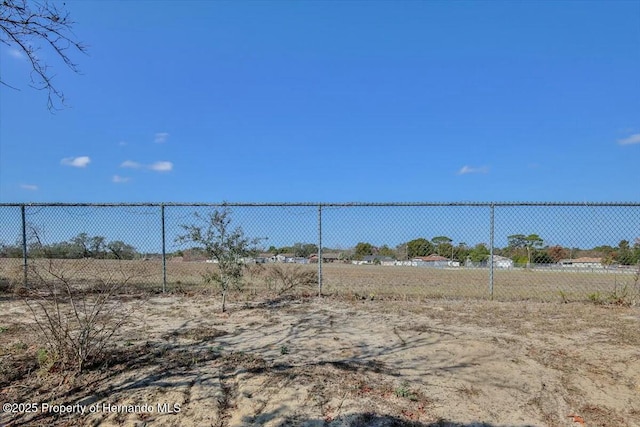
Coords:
pixel 577 419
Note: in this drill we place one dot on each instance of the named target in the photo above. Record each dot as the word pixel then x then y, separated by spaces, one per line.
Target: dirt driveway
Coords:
pixel 327 362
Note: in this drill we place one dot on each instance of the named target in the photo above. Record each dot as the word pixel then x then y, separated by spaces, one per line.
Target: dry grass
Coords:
pixel 364 281
pixel 414 283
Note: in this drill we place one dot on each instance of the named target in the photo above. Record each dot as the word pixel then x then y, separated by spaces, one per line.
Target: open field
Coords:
pixel 338 362
pixel 387 282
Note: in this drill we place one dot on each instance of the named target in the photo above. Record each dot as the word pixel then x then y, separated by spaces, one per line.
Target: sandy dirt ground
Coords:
pixel 346 362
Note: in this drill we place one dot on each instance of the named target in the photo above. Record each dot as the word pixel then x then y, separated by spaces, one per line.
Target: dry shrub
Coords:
pixel 288 278
pixel 76 323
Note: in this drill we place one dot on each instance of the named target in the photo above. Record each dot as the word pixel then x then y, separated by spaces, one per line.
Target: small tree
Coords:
pixel 229 247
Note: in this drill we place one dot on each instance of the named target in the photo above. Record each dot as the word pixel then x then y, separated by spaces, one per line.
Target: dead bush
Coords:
pixel 284 279
pixel 76 324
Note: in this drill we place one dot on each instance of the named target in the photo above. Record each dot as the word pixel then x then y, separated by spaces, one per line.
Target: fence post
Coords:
pixel 24 245
pixel 491 242
pixel 320 250
pixel 164 251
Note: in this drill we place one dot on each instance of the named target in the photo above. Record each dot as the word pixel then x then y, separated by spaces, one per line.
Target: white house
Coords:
pixel 375 259
pixel 502 262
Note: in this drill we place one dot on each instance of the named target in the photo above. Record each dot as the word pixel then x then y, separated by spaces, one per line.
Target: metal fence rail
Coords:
pixel 505 251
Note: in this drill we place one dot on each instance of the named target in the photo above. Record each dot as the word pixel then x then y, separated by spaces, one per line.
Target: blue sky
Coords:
pixel 332 101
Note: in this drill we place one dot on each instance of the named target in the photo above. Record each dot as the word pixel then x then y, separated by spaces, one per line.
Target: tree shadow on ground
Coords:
pixel 163 365
pixel 169 362
pixel 366 419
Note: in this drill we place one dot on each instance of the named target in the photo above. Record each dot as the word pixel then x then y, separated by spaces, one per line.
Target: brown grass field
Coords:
pixel 369 281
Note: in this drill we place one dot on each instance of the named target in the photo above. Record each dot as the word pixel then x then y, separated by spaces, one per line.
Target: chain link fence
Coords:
pixel 503 251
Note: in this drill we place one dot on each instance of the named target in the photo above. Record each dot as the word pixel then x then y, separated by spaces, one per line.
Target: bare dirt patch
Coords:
pixel 332 362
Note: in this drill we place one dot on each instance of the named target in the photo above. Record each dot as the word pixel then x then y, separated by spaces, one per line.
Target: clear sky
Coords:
pixel 210 101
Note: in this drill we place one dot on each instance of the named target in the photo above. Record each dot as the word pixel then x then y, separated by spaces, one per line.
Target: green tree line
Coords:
pixel 80 246
pixel 523 249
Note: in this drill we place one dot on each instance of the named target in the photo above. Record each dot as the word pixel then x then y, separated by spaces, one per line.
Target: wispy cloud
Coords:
pixel 76 162
pixel 631 139
pixel 29 187
pixel 130 164
pixel 120 179
pixel 161 166
pixel 161 137
pixel 469 169
pixel 122 143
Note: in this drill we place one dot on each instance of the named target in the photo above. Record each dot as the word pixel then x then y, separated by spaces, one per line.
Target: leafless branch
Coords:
pixel 28 26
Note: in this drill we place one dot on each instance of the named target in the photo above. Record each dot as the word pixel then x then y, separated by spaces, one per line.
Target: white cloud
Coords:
pixel 468 169
pixel 631 139
pixel 130 164
pixel 76 162
pixel 29 187
pixel 120 179
pixel 161 137
pixel 122 143
pixel 161 166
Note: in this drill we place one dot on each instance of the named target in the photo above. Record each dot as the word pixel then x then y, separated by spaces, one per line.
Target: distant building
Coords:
pixel 502 262
pixel 583 262
pixel 326 257
pixel 375 259
pixel 283 258
pixel 434 261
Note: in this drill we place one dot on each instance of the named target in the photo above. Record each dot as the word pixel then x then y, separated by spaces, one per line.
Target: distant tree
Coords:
pixel 97 246
pixel 82 242
pixel 120 250
pixel 542 257
pixel 363 249
pixel 419 247
pixel 385 250
pixel 479 253
pixel 530 242
pixel 63 250
pixel 304 250
pixel 27 26
pixel 625 255
pixel 229 246
pixel 10 251
pixel 461 251
pixel 557 253
pixel 443 246
pixel 604 250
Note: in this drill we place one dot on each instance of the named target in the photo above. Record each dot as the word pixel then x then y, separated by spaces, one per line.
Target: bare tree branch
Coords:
pixel 28 26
